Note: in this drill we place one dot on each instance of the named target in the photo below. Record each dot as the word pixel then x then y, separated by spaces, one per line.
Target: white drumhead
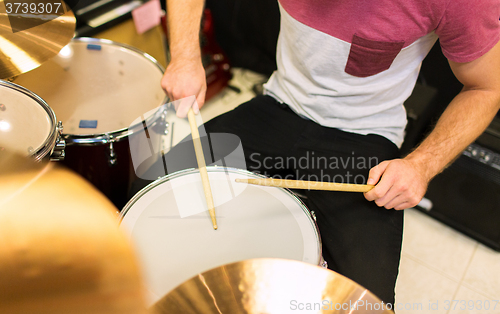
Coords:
pixel 25 124
pixel 259 222
pixel 98 82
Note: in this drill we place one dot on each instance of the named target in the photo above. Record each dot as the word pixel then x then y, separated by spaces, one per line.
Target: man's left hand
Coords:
pixel 400 184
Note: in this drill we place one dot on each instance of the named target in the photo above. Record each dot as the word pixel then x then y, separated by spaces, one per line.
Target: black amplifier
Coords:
pixel 466 195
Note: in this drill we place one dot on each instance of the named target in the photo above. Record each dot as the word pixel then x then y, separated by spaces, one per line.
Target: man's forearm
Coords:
pixel 401 183
pixel 467 116
pixel 185 75
pixel 184 17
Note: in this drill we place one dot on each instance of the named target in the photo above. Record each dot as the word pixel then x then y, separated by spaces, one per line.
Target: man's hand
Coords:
pixel 183 79
pixel 185 75
pixel 402 183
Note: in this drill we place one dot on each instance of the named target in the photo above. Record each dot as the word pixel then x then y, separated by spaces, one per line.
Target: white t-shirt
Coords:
pixel 351 64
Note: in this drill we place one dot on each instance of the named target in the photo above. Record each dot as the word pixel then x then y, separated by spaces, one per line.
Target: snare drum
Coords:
pixel 257 222
pixel 97 88
pixel 27 124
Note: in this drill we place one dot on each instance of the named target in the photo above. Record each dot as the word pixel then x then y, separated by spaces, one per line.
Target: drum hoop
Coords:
pixel 120 134
pixel 180 173
pixel 48 145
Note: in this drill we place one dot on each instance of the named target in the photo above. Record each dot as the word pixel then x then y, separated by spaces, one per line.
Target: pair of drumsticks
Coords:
pixel 291 184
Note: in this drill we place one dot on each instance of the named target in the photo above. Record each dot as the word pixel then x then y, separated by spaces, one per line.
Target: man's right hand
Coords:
pixel 185 75
pixel 184 78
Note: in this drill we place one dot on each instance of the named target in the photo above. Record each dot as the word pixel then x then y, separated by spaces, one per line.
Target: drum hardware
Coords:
pixel 171 136
pixel 164 120
pixel 271 286
pixel 58 153
pixel 170 124
pixel 112 159
pixel 162 126
pixel 313 214
pixel 323 263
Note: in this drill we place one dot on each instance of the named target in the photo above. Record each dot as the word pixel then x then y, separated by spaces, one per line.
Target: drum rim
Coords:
pixel 48 145
pixel 180 173
pixel 120 134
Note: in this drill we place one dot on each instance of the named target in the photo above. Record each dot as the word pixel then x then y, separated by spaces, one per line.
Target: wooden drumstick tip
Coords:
pixel 212 215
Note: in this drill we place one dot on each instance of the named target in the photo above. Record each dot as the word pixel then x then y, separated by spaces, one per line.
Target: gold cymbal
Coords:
pixel 24 49
pixel 270 286
pixel 61 250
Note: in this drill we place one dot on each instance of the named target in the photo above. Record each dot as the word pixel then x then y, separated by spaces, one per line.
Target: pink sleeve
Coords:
pixel 469 29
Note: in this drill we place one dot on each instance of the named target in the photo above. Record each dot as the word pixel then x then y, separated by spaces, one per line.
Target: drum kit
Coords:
pixel 96 89
pixel 67 249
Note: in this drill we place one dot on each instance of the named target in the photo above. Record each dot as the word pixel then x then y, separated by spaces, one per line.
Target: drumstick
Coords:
pixel 201 165
pixel 309 185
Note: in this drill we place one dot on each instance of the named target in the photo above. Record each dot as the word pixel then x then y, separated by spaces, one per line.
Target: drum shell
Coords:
pixel 108 164
pixel 93 163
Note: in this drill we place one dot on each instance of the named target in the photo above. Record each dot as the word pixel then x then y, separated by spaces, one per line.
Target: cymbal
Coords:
pixel 270 286
pixel 23 49
pixel 61 250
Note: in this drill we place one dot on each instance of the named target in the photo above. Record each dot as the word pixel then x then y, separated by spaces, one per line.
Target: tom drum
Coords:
pixel 27 124
pixel 97 88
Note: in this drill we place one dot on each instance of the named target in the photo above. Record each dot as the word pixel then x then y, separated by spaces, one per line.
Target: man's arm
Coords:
pixel 185 75
pixel 403 182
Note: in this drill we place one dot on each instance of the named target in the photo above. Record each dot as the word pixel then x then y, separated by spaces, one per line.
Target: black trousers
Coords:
pixel 360 240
